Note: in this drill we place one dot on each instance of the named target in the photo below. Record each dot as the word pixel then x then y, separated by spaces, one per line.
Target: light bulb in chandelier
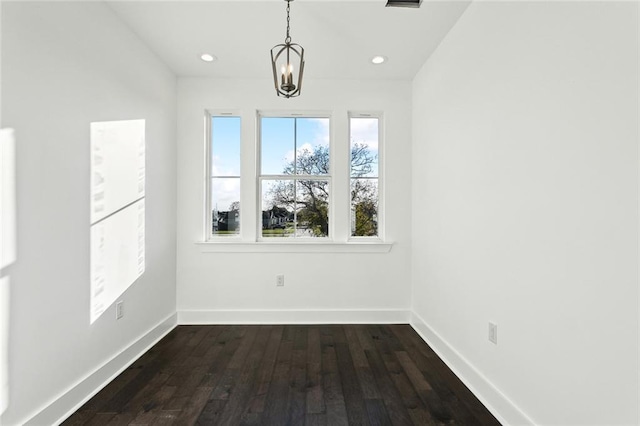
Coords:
pixel 287 79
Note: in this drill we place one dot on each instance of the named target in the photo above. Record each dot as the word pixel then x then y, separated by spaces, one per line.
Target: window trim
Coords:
pixel 381 158
pixel 209 114
pixel 260 177
pixel 306 246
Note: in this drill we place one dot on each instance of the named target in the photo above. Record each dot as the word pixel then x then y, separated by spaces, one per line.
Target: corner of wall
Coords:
pixel 69 401
pixel 503 409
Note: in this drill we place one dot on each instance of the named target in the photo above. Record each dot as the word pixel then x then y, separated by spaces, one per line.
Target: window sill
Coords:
pixel 293 247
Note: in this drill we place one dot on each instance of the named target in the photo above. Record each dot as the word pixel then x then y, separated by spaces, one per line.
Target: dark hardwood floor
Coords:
pixel 286 375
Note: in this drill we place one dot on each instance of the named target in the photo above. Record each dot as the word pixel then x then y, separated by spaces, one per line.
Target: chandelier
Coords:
pixel 287 61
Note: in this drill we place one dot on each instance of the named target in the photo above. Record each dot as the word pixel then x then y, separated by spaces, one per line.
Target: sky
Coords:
pixel 281 138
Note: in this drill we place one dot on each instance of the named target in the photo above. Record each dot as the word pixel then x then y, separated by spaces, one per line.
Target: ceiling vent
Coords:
pixel 403 3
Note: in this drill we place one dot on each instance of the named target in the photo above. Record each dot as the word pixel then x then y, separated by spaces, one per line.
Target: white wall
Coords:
pixel 525 208
pixel 65 65
pixel 348 282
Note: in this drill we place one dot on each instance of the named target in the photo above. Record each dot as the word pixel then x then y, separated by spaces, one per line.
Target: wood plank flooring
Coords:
pixel 286 375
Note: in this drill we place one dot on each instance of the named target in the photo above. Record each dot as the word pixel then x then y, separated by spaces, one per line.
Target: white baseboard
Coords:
pixel 380 316
pixel 68 402
pixel 496 402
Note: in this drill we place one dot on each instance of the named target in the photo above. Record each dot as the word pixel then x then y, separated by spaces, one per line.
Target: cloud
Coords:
pixel 224 192
pixel 218 168
pixel 215 165
pixel 323 135
pixel 365 131
pixel 305 147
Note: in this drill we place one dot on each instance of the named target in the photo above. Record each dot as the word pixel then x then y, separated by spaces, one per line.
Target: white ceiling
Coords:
pixel 339 37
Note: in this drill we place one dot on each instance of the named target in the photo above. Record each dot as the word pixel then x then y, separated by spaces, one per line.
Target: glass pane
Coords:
pixel 364 147
pixel 312 146
pixel 225 206
pixel 277 145
pixel 278 202
pixel 364 207
pixel 225 146
pixel 312 208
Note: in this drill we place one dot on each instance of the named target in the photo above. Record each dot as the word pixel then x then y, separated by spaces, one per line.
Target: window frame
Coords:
pixel 339 239
pixel 260 178
pixel 379 115
pixel 209 236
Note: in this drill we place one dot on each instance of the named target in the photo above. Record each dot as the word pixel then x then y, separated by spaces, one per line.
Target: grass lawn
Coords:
pixel 227 233
pixel 277 232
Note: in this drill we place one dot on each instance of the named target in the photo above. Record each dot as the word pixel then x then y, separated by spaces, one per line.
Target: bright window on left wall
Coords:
pixel 117 209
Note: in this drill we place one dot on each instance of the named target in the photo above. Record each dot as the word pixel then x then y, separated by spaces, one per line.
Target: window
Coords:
pixel 364 136
pixel 294 177
pixel 295 189
pixel 7 198
pixel 224 175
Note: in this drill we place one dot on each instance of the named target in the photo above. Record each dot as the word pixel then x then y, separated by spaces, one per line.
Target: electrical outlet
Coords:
pixel 493 333
pixel 280 280
pixel 119 309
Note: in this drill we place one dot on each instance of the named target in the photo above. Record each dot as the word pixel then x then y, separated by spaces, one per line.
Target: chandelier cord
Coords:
pixel 287 40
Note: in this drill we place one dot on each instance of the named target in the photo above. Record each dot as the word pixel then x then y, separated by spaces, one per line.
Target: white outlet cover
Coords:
pixel 493 333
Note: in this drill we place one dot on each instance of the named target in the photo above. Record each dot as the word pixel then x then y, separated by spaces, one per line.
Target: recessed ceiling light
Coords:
pixel 207 57
pixel 378 59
